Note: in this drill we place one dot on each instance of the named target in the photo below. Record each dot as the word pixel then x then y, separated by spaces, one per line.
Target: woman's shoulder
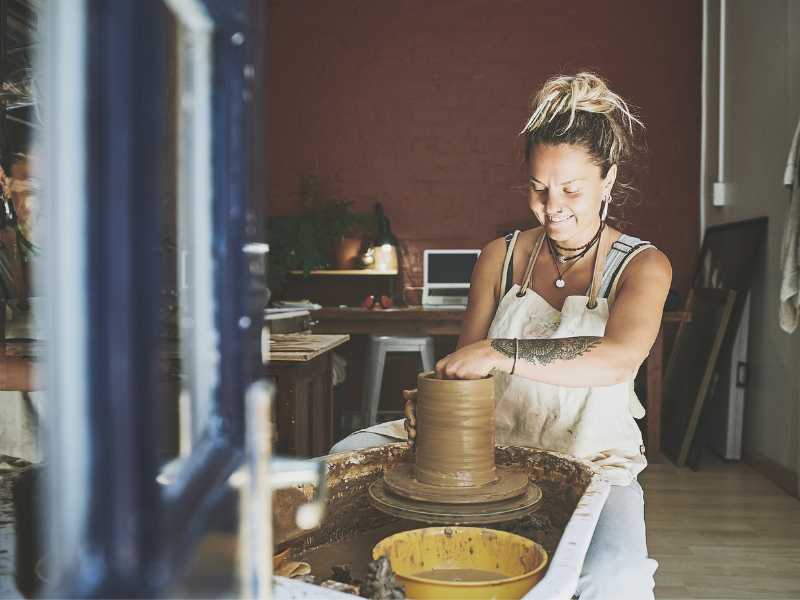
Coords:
pixel 493 254
pixel 526 238
pixel 648 260
pixel 633 258
pixel 499 246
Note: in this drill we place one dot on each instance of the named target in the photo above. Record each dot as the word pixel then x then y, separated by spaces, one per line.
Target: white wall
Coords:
pixel 762 102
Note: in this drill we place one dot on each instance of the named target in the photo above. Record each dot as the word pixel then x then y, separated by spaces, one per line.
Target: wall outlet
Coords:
pixel 721 193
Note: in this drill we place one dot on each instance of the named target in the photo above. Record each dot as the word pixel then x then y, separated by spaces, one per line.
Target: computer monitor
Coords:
pixel 446 276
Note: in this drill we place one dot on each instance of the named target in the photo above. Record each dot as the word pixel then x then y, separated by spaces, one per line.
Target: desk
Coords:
pixel 301 365
pixel 425 321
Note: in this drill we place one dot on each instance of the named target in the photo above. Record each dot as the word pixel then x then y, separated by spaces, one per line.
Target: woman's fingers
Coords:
pixel 411 415
pixel 409 409
pixel 441 369
pixel 410 431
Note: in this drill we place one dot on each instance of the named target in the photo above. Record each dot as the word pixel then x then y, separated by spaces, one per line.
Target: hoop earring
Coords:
pixel 604 209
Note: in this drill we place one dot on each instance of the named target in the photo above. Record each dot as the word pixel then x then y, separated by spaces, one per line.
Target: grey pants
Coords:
pixel 616 564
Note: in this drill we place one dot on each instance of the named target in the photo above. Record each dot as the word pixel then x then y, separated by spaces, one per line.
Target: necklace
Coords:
pixel 578 249
pixel 583 249
pixel 560 282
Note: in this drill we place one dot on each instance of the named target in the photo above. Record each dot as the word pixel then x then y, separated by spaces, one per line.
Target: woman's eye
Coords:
pixel 535 188
pixel 572 190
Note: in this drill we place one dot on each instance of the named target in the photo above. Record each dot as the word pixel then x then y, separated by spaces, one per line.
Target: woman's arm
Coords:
pixel 483 292
pixel 632 328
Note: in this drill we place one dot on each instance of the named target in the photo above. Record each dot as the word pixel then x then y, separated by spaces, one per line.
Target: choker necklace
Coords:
pixel 578 249
pixel 583 250
pixel 560 282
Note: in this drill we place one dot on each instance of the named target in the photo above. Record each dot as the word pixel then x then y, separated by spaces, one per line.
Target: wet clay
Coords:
pixel 455 432
pixel 454 457
pixel 352 526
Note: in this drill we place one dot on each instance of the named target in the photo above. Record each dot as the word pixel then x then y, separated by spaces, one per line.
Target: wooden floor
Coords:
pixel 721 532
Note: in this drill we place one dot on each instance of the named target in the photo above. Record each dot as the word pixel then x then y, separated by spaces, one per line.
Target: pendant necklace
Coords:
pixel 560 282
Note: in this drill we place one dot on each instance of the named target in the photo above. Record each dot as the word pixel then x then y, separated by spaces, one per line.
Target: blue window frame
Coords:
pixel 114 531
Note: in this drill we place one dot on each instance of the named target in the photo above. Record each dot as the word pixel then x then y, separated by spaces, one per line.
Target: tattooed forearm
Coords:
pixel 504 347
pixel 544 352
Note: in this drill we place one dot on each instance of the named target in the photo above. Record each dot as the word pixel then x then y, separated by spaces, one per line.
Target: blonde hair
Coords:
pixel 581 109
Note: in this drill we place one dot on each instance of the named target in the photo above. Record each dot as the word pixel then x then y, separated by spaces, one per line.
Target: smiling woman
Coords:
pixel 563 315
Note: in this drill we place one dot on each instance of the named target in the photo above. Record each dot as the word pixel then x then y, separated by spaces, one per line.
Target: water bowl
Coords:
pixel 463 562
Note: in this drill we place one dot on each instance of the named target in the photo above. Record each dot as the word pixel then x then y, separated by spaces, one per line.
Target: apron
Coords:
pixel 592 423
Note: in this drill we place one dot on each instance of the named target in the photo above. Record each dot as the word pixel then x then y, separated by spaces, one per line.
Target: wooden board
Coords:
pixel 691 366
pixel 347 272
pixel 301 347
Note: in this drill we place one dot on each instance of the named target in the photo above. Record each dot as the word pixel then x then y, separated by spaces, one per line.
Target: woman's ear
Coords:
pixel 610 178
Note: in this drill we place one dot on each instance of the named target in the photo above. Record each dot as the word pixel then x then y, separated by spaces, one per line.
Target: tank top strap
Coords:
pixel 507 278
pixel 620 255
pixel 598 268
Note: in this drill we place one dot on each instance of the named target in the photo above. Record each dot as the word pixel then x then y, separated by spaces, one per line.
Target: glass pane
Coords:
pixel 187 300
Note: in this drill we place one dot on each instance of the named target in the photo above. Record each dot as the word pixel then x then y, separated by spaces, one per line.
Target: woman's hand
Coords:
pixel 472 362
pixel 410 410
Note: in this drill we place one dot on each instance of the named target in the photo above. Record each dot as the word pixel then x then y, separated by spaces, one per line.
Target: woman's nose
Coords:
pixel 552 207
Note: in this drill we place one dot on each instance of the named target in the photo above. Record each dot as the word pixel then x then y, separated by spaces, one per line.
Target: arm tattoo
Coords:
pixel 545 351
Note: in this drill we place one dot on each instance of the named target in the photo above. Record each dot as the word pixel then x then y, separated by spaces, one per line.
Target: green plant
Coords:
pixel 336 216
pixel 304 242
pixel 293 245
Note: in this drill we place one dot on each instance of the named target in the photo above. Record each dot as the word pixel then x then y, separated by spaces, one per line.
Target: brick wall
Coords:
pixel 418 104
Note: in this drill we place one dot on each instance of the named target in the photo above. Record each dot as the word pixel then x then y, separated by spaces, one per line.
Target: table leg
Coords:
pixel 304 420
pixel 326 408
pixel 284 413
pixel 654 375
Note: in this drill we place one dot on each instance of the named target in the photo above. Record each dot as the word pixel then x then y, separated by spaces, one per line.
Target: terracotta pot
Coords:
pixel 347 253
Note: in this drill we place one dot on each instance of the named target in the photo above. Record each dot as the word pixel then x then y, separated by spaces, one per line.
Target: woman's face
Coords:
pixel 565 190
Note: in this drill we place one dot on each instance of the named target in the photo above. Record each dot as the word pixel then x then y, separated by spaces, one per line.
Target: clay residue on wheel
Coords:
pixel 351 526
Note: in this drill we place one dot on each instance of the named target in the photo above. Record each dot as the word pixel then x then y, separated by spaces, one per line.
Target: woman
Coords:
pixel 563 315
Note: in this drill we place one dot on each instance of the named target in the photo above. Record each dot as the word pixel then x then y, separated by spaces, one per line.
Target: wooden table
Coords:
pixel 301 365
pixel 427 321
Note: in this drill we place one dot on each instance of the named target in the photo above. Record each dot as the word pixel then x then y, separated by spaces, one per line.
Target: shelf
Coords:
pixel 346 272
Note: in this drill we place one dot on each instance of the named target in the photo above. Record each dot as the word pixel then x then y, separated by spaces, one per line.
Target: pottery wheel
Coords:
pixel 388 502
pixel 510 482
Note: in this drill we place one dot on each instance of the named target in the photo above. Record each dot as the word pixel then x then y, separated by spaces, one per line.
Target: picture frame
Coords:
pixel 691 368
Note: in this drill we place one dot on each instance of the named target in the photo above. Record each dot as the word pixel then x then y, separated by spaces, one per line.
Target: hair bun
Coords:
pixel 565 94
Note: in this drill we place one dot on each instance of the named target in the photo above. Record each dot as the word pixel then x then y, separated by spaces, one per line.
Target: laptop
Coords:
pixel 446 275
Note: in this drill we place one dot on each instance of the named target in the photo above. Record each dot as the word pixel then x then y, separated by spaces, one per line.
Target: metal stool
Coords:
pixel 377 347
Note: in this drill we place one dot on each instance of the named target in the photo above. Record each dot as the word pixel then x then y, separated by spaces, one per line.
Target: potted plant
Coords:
pixel 326 233
pixel 294 244
pixel 345 230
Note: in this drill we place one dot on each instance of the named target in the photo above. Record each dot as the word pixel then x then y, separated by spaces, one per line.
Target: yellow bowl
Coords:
pixel 415 554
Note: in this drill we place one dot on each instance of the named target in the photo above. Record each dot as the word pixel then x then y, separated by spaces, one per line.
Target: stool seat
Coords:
pixel 377 348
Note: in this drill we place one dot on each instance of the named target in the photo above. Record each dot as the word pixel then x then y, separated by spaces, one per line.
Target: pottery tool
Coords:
pixel 454 478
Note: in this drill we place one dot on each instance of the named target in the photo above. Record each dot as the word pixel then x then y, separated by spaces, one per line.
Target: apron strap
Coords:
pixel 526 279
pixel 508 272
pixel 603 248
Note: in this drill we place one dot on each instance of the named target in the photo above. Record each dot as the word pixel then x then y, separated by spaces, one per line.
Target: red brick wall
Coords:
pixel 418 104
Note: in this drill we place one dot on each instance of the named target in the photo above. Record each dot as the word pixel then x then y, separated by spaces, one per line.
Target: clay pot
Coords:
pixel 347 253
pixel 455 431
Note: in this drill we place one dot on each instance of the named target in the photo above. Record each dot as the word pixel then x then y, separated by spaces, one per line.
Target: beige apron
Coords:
pixel 594 423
